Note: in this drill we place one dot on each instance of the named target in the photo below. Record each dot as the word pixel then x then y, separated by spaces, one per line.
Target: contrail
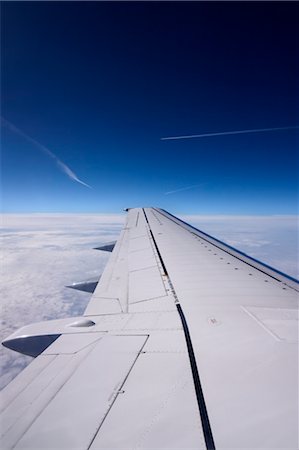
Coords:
pixel 224 133
pixel 183 189
pixel 61 165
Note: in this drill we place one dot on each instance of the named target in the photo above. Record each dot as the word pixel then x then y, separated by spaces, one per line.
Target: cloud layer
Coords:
pixel 41 255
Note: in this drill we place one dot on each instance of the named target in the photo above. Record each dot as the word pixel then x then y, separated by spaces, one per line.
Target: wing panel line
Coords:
pixel 249 260
pixel 208 435
pixel 207 431
pixel 119 391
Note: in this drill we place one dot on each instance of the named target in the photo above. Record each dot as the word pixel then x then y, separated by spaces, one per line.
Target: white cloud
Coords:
pixel 42 253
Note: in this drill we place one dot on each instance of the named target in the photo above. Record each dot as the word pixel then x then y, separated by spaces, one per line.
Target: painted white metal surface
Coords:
pixel 244 328
pixel 80 399
pixel 159 407
pixel 127 382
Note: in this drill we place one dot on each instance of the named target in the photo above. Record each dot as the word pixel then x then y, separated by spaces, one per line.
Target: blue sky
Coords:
pixel 98 84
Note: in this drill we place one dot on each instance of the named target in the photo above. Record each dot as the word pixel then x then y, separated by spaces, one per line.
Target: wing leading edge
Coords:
pixel 186 343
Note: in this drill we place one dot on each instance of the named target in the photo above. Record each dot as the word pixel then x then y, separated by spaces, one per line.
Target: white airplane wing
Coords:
pixel 185 344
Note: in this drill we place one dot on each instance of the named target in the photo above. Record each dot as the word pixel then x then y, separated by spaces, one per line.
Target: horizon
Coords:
pixel 270 239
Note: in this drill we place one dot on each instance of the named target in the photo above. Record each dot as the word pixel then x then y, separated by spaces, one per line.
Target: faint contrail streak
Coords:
pixel 224 133
pixel 62 166
pixel 183 189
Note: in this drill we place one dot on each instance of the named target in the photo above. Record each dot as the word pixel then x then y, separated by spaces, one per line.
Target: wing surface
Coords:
pixel 186 344
pixel 120 376
pixel 243 322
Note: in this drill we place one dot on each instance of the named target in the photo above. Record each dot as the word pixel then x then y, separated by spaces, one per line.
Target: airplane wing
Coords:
pixel 186 343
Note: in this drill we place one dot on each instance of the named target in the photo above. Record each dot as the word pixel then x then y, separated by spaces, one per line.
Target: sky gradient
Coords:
pixel 99 84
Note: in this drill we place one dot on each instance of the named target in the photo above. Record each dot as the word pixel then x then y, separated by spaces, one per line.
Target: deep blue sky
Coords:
pixel 99 84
